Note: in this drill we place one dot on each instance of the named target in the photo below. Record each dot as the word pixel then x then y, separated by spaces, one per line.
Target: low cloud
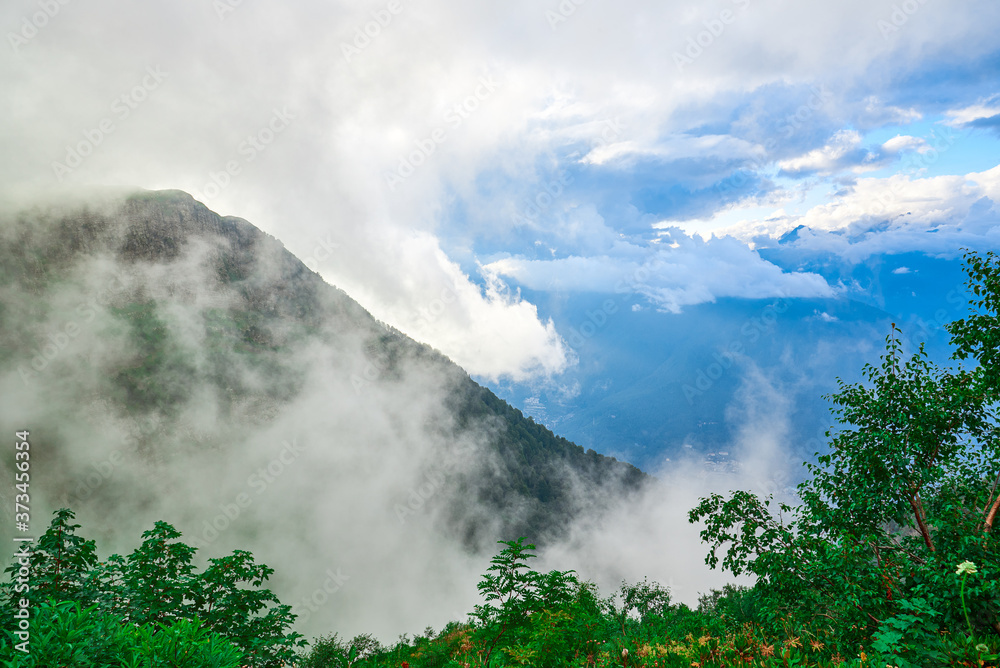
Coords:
pixel 488 330
pixel 937 215
pixel 680 271
pixel 984 114
pixel 845 152
pixel 287 436
pixel 650 536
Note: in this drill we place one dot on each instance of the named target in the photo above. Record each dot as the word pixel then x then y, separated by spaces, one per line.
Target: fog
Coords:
pixel 338 476
pixel 431 160
pixel 311 484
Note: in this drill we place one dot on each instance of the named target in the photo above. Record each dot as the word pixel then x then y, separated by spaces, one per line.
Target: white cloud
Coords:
pixel 972 113
pixel 320 185
pixel 845 152
pixel 896 214
pixel 689 271
pixel 489 332
pixel 901 143
pixel 673 147
pixel 842 148
pixel 876 113
pixel 357 117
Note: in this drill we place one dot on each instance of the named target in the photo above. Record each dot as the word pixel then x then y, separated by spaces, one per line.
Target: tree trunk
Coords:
pixel 993 513
pixel 918 512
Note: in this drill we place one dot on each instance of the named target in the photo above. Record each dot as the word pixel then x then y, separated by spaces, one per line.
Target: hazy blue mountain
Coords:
pixel 652 385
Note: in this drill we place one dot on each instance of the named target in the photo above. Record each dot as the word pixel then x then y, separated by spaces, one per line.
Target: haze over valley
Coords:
pixel 363 288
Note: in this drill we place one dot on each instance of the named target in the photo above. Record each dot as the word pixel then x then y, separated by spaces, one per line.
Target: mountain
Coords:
pixel 712 381
pixel 168 359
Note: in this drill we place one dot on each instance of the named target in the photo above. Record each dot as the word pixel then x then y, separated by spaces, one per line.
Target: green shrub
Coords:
pixel 70 636
pixel 156 595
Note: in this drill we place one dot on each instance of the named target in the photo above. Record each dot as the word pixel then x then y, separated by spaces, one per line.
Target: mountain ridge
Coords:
pixel 234 335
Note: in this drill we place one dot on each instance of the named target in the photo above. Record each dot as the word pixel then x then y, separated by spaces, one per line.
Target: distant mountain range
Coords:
pixel 651 387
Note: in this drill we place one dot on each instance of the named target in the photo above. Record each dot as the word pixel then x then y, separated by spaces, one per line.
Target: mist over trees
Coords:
pixel 177 365
pixel 888 555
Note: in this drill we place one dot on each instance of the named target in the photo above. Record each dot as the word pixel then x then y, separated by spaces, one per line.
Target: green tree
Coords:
pixel 59 563
pixel 907 490
pixel 978 335
pixel 156 588
pixel 514 594
pixel 153 584
pixel 326 652
pixel 251 617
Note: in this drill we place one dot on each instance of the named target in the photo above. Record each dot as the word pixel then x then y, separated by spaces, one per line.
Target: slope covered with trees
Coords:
pixel 888 557
pixel 210 309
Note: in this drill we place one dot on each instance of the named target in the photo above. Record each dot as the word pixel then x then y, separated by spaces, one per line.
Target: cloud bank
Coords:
pixel 378 139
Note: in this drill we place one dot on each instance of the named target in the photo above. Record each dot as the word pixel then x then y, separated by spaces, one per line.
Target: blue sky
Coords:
pixel 400 150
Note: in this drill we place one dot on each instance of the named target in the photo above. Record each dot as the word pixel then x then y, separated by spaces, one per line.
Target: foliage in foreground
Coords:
pixel 150 608
pixel 71 636
pixel 555 620
pixel 907 492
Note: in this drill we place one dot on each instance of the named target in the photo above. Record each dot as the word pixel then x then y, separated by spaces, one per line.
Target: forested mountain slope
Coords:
pixel 185 332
